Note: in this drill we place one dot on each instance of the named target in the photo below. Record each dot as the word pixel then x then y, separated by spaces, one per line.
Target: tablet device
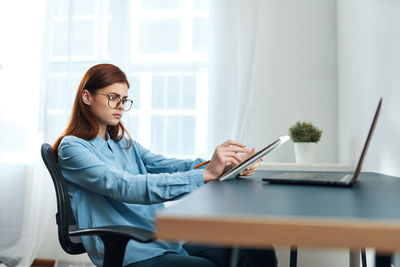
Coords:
pixel 232 173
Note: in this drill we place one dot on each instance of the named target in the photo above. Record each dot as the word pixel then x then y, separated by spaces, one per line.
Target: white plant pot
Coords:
pixel 305 152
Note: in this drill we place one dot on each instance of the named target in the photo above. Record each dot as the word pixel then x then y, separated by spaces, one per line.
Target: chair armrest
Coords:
pixel 135 233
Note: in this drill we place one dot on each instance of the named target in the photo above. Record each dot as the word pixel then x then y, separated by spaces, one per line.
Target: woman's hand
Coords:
pixel 250 170
pixel 224 155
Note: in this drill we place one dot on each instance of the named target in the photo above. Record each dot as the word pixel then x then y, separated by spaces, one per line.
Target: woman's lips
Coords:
pixel 118 116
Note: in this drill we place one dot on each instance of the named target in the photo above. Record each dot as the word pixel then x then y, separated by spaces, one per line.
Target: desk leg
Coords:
pixel 355 258
pixel 364 257
pixel 383 260
pixel 293 256
pixel 234 256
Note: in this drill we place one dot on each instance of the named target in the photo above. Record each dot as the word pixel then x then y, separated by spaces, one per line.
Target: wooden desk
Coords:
pixel 251 213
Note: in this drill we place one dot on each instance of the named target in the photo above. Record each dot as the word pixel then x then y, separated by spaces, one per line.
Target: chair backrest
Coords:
pixel 64 217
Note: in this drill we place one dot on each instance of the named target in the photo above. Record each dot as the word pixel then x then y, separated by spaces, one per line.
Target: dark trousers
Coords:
pixel 211 256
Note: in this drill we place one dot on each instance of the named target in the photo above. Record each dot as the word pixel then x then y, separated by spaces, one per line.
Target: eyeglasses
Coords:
pixel 114 101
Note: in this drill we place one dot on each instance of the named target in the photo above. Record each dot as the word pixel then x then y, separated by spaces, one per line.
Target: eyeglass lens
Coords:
pixel 114 102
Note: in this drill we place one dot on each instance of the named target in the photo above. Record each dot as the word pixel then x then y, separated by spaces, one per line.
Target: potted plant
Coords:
pixel 305 136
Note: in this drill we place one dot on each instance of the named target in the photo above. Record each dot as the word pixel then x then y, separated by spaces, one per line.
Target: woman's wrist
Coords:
pixel 207 175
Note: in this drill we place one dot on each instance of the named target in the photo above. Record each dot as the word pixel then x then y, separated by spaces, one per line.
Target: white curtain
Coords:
pixel 235 26
pixel 25 198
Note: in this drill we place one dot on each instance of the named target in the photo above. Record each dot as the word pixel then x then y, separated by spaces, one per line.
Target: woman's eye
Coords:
pixel 113 97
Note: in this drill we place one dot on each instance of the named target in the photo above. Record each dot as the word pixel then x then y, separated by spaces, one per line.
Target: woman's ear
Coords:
pixel 86 97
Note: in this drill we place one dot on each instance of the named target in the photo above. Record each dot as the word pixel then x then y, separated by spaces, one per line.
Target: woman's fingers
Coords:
pixel 234 149
pixel 232 142
pixel 231 152
pixel 231 157
pixel 248 154
pixel 233 160
pixel 255 165
pixel 247 172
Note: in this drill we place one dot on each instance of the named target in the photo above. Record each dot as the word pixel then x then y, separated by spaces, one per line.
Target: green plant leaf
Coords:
pixel 302 132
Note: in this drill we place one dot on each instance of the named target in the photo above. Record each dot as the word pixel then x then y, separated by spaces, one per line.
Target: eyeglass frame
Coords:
pixel 119 102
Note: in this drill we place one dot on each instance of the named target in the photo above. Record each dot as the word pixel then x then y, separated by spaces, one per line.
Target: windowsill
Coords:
pixel 292 166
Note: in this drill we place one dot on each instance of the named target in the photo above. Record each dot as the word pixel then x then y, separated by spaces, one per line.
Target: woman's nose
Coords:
pixel 120 105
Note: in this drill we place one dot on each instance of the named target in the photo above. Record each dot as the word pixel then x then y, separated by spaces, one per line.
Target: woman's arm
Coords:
pixel 156 163
pixel 81 166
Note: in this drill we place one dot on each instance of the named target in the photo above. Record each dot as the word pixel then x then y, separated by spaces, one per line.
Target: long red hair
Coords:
pixel 82 123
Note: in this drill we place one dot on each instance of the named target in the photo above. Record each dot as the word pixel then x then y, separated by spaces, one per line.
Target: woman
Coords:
pixel 113 180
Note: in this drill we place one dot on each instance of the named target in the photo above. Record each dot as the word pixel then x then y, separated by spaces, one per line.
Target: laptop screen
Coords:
pixel 369 137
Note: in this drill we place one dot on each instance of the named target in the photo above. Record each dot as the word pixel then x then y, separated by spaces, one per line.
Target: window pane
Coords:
pixel 160 36
pixel 200 35
pixel 54 126
pixel 160 4
pixel 112 36
pixel 132 124
pixel 59 8
pixel 83 38
pixel 59 38
pixel 56 92
pixel 188 135
pixel 201 4
pixel 157 134
pixel 189 92
pixel 83 7
pixel 79 7
pixel 134 91
pixel 75 81
pixel 157 92
pixel 172 135
pixel 173 94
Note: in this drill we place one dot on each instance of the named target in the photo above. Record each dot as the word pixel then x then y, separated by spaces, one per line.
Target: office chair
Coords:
pixel 115 238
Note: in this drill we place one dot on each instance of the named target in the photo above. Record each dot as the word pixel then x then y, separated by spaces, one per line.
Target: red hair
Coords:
pixel 82 123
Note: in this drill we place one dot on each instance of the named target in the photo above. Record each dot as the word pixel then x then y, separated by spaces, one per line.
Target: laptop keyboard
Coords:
pixel 331 177
pixel 314 176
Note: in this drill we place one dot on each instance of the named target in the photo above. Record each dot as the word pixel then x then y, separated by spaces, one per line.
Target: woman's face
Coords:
pixel 99 106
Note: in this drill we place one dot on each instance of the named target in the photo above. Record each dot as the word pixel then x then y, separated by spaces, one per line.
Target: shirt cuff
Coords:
pixel 198 177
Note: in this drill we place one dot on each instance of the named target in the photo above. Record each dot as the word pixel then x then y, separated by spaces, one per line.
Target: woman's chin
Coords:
pixel 114 123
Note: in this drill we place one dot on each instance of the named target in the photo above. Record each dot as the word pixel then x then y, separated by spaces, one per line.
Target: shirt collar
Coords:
pixel 99 142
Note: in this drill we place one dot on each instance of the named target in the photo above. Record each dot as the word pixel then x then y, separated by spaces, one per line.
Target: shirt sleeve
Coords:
pixel 82 167
pixel 156 163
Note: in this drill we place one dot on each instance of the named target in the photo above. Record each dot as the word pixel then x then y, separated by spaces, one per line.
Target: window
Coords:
pixel 162 46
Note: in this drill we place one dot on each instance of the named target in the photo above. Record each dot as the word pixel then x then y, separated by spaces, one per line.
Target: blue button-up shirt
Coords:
pixel 111 185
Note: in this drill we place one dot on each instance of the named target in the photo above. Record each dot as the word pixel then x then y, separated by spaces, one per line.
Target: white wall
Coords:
pixel 295 75
pixel 369 67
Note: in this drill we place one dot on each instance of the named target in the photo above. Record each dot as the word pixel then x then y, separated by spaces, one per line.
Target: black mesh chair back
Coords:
pixel 64 217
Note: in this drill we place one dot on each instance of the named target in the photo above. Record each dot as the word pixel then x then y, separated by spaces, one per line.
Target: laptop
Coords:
pixel 327 178
pixel 234 172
